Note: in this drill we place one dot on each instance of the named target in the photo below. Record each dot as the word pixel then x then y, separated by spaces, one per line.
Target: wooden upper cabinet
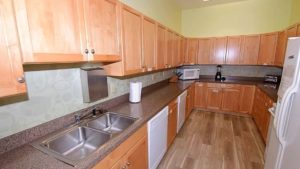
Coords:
pixel 170 47
pixel 200 95
pixel 51 30
pixel 176 50
pixel 102 27
pixel 183 50
pixel 246 98
pixel 298 30
pixel 132 40
pixel 204 51
pixel 11 69
pixel 233 50
pixel 292 31
pixel 280 49
pixel 218 50
pixel 192 51
pixel 161 47
pixel 267 49
pixel 250 50
pixel 149 43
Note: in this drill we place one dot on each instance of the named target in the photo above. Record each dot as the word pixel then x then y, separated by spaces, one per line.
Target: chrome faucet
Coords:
pixel 94 113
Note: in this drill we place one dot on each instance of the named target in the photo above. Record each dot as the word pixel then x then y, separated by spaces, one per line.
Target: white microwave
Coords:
pixel 188 74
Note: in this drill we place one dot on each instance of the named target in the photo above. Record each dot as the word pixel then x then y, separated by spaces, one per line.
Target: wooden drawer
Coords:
pixel 231 86
pixel 214 85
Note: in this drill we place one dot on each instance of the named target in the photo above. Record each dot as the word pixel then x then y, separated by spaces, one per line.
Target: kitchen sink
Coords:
pixel 81 140
pixel 111 122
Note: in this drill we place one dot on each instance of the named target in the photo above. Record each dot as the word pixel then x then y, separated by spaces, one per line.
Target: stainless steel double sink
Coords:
pixel 76 143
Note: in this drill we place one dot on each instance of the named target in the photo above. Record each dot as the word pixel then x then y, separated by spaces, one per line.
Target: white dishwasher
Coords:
pixel 181 110
pixel 157 138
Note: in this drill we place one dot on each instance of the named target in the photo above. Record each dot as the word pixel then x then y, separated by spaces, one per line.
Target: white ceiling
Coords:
pixel 188 4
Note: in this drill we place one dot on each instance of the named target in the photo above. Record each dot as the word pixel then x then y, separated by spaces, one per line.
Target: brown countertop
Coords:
pixel 27 157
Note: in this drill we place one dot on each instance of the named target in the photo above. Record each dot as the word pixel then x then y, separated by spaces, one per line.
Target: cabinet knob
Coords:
pixel 21 79
pixel 93 51
pixel 124 167
pixel 86 51
pixel 128 164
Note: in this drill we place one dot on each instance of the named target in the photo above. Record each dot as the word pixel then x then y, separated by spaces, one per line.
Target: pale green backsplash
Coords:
pixel 55 93
pixel 164 11
pixel 238 18
pixel 295 17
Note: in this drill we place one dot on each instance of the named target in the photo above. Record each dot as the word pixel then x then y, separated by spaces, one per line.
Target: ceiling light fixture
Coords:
pixel 205 0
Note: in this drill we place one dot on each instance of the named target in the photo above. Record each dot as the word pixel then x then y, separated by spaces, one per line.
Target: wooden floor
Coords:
pixel 216 141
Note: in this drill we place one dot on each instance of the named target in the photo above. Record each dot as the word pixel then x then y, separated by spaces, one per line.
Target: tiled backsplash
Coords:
pixel 55 93
pixel 244 71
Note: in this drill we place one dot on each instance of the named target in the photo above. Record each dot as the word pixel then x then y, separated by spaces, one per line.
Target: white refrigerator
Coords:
pixel 283 146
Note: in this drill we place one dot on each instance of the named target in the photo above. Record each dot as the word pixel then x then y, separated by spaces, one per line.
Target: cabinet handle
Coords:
pixel 128 164
pixel 124 167
pixel 215 91
pixel 93 51
pixel 86 51
pixel 21 79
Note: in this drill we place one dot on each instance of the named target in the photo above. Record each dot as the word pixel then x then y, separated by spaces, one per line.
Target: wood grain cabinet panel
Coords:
pixel 231 98
pixel 172 122
pixel 132 40
pixel 192 51
pixel 149 43
pixel 183 50
pixel 170 47
pixel 218 50
pixel 298 30
pixel 161 47
pixel 280 49
pixel 102 27
pixel 176 50
pixel 233 50
pixel 204 50
pixel 200 95
pixel 250 50
pixel 10 55
pixel 214 98
pixel 267 49
pixel 137 157
pixel 246 98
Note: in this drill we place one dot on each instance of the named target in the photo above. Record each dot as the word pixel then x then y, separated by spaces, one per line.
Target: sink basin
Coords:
pixel 111 122
pixel 75 144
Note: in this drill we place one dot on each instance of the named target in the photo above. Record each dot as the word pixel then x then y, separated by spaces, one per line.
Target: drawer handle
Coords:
pixel 128 164
pixel 216 91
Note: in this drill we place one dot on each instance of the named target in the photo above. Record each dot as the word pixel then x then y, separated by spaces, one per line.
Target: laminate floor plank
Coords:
pixel 216 141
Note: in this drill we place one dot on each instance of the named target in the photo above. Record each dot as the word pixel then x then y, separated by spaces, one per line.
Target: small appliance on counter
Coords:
pixel 188 73
pixel 218 76
pixel 273 79
pixel 135 92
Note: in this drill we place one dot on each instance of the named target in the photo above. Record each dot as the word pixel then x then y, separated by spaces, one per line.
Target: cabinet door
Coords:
pixel 280 49
pixel 183 50
pixel 192 51
pixel 101 21
pixel 176 50
pixel 204 52
pixel 218 50
pixel 132 40
pixel 233 50
pixel 292 31
pixel 137 157
pixel 149 43
pixel 214 98
pixel 11 68
pixel 51 31
pixel 231 98
pixel 250 49
pixel 246 98
pixel 267 49
pixel 200 95
pixel 298 30
pixel 172 123
pixel 170 46
pixel 161 47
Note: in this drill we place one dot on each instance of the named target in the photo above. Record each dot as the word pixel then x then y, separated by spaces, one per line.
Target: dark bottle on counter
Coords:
pixel 218 76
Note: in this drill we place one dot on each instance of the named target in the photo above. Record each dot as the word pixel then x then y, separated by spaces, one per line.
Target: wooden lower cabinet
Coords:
pixel 230 98
pixel 131 154
pixel 172 122
pixel 200 95
pixel 214 98
pixel 260 112
pixel 246 98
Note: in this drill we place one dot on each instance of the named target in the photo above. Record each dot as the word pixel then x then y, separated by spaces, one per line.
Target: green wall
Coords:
pixel 163 11
pixel 246 17
pixel 295 16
